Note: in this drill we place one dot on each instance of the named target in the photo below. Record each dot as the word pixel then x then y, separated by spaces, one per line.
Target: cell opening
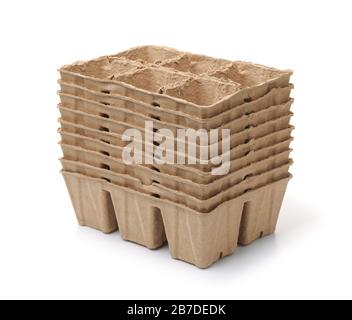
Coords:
pixel 105 129
pixel 154 117
pixel 104 166
pixel 155 104
pixel 104 115
pixel 105 153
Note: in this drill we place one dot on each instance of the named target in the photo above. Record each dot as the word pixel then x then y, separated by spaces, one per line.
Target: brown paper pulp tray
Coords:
pixel 138 121
pixel 241 124
pixel 203 191
pixel 275 96
pixel 192 237
pixel 110 67
pixel 179 86
pixel 115 140
pixel 194 64
pixel 190 172
pixel 179 196
pixel 205 205
pixel 108 125
pixel 175 104
pixel 239 181
pixel 169 174
pixel 121 180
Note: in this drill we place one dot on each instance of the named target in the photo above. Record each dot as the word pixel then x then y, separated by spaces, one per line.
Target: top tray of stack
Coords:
pixel 181 85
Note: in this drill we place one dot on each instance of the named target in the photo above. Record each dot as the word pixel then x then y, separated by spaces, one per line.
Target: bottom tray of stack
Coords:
pixel 197 238
pixel 202 217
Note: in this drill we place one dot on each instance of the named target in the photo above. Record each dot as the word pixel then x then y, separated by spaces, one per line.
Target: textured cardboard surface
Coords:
pixel 200 197
pixel 248 184
pixel 108 125
pixel 101 168
pixel 138 121
pixel 115 140
pixel 202 95
pixel 192 237
pixel 201 216
pixel 183 171
pixel 150 173
pixel 276 96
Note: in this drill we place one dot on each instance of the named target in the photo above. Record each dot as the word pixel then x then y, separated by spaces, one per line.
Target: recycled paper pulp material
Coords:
pixel 115 141
pixel 190 173
pixel 138 121
pixel 107 175
pixel 202 95
pixel 108 125
pixel 174 104
pixel 248 184
pixel 275 96
pixel 171 188
pixel 199 239
pixel 203 191
pixel 202 216
pixel 149 173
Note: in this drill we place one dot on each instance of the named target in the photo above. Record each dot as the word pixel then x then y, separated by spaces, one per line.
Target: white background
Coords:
pixel 44 254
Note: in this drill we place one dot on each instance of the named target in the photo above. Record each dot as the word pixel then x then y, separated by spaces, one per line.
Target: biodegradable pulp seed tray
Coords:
pixel 200 215
pixel 200 239
pixel 174 83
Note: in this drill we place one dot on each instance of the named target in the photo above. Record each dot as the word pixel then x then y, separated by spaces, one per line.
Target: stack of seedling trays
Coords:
pixel 201 209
